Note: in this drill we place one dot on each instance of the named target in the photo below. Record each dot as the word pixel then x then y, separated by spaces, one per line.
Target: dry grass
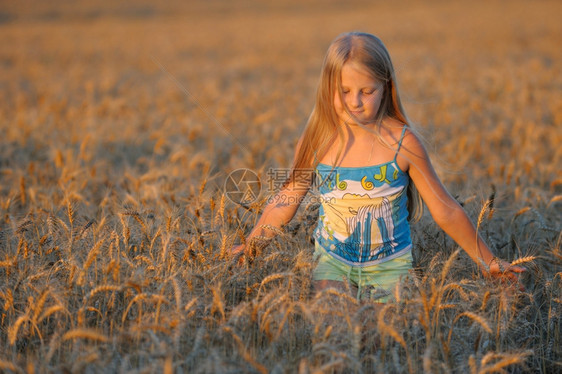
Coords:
pixel 114 226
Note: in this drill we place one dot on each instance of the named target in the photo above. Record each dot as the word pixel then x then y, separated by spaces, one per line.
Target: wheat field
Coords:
pixel 119 124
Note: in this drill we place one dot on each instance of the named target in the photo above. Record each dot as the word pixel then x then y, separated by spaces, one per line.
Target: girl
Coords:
pixel 371 172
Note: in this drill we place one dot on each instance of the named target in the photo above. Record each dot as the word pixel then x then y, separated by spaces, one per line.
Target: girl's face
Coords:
pixel 362 95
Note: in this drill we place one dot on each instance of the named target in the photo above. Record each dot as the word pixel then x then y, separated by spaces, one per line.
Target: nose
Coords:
pixel 354 100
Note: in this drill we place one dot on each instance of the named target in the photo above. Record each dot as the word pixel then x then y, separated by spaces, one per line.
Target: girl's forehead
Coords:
pixel 355 72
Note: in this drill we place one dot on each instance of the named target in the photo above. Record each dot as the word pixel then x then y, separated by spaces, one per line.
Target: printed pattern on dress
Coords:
pixel 363 216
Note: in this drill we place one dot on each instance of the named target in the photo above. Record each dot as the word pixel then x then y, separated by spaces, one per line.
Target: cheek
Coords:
pixel 337 103
pixel 377 102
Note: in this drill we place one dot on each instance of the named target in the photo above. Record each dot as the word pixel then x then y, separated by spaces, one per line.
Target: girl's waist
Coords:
pixel 403 253
pixel 364 254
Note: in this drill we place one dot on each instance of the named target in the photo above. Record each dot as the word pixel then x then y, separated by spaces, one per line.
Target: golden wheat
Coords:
pixel 523 260
pixel 243 352
pixel 84 334
pixel 9 366
pixel 115 224
pixel 13 330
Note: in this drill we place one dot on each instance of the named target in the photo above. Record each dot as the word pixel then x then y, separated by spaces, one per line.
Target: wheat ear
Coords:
pixel 522 260
pixel 84 334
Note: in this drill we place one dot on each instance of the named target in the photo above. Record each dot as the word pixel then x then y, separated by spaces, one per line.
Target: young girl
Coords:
pixel 371 171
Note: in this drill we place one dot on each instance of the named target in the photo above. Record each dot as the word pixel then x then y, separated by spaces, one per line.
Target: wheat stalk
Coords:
pixel 51 310
pixel 384 328
pixel 8 299
pixel 152 327
pixel 135 299
pixel 331 366
pixel 9 366
pixel 103 288
pixel 244 352
pixel 521 211
pixel 177 293
pixel 337 293
pixel 472 364
pixel 83 333
pixel 483 211
pixel 485 300
pixel 92 254
pixel 157 235
pixel 286 315
pixel 554 200
pixel 272 278
pixel 23 193
pixel 458 288
pixel 38 305
pixel 85 228
pixel 13 330
pixel 218 303
pixel 356 341
pixel 447 306
pixel 168 366
pixel 505 360
pixel 159 299
pixel 474 317
pixel 427 359
pixel 70 212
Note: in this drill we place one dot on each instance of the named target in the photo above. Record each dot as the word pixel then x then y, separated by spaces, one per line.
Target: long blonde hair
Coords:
pixel 323 125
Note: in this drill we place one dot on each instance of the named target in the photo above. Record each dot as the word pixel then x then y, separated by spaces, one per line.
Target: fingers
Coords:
pixel 517 269
pixel 503 267
pixel 237 249
pixel 511 274
pixel 514 278
pixel 507 273
pixel 510 278
pixel 237 254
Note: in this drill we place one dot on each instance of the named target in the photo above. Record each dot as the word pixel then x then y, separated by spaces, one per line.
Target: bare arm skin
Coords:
pixel 447 212
pixel 279 211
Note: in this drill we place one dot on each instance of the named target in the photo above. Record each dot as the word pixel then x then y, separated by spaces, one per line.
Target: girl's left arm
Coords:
pixel 448 213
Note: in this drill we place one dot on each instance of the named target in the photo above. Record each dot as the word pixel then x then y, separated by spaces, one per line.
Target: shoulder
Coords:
pixel 412 141
pixel 404 138
pixel 409 145
pixel 393 132
pixel 397 135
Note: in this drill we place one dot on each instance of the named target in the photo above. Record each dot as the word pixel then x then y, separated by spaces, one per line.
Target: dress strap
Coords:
pixel 400 142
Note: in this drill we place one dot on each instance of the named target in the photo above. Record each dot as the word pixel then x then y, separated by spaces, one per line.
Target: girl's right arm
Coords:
pixel 281 208
pixel 278 212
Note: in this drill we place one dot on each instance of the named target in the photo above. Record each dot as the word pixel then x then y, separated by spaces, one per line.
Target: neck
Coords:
pixel 358 130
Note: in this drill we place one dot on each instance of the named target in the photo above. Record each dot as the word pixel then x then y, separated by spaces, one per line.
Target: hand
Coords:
pixel 505 272
pixel 237 249
pixel 237 252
